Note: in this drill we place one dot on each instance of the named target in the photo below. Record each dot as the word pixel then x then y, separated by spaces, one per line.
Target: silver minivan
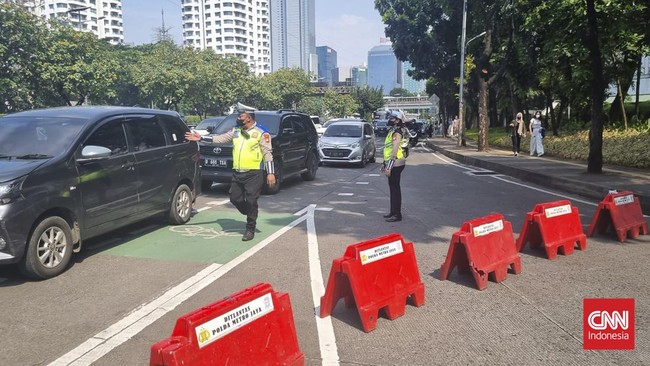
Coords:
pixel 348 141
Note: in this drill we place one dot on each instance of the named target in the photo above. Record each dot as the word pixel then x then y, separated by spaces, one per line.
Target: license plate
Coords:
pixel 216 162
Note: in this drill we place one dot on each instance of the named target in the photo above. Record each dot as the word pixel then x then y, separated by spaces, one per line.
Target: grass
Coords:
pixel 629 148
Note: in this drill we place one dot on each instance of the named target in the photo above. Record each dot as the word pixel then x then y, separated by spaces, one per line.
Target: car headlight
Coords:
pixel 9 191
pixel 354 146
pixel 320 144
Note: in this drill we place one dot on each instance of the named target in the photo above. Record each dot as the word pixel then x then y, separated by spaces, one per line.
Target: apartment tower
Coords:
pixel 231 27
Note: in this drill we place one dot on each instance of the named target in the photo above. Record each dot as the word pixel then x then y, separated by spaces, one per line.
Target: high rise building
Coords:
pixel 410 84
pixel 360 76
pixel 102 18
pixel 326 63
pixel 384 70
pixel 341 76
pixel 293 34
pixel 230 27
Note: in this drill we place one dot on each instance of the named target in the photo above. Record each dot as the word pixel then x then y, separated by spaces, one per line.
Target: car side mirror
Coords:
pixel 93 153
pixel 287 131
pixel 210 129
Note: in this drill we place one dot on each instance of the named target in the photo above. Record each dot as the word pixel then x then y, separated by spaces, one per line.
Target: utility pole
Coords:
pixel 461 114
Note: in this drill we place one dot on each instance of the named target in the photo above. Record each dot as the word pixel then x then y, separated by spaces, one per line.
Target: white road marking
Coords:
pixel 362 183
pixel 346 194
pixel 502 178
pixel 217 203
pixel 113 336
pixel 203 209
pixel 374 175
pixel 326 338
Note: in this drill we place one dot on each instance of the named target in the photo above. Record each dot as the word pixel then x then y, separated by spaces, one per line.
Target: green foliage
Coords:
pixel 623 148
pixel 369 100
pixel 22 41
pixel 312 105
pixel 283 89
pixel 339 105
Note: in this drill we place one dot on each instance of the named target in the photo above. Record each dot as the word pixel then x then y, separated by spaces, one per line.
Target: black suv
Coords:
pixel 68 174
pixel 295 150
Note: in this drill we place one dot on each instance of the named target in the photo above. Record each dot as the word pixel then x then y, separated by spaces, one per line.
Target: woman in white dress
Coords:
pixel 535 129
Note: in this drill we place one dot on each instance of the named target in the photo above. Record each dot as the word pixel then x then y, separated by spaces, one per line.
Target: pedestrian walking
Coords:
pixel 517 133
pixel 394 163
pixel 252 153
pixel 535 129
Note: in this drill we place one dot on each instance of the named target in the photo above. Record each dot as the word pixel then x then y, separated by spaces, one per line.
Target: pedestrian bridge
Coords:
pixel 418 104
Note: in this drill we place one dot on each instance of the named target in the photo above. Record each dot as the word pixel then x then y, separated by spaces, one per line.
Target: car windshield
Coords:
pixel 210 122
pixel 268 121
pixel 37 137
pixel 343 130
pixel 381 123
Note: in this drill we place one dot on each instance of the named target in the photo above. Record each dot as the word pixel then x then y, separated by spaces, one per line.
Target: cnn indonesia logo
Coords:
pixel 608 323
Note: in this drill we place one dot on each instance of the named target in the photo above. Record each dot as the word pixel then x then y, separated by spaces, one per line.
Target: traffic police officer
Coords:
pixel 252 153
pixel 394 163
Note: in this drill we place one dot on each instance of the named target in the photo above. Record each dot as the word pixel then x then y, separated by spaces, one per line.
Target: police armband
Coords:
pixel 207 139
pixel 389 164
pixel 270 167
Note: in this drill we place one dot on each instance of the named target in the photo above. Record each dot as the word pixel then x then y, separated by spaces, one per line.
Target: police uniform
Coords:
pixel 252 154
pixel 394 161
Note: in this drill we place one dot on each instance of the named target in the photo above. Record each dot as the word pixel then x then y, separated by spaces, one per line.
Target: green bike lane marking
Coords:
pixel 211 236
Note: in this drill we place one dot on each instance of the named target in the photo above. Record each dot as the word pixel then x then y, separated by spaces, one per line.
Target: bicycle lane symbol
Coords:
pixel 202 232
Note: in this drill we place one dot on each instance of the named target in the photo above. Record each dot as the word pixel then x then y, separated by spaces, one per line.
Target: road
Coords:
pixel 125 291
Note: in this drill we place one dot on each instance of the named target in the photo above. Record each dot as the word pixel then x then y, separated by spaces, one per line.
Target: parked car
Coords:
pixel 351 141
pixel 294 141
pixel 69 174
pixel 381 127
pixel 208 125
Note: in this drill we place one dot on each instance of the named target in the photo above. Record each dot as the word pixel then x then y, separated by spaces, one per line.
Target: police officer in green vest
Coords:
pixel 394 163
pixel 252 153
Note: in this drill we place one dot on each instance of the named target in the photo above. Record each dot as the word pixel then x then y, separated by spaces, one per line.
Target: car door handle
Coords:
pixel 169 156
pixel 129 166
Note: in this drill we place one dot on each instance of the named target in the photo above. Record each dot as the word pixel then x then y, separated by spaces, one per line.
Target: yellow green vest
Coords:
pixel 247 153
pixel 388 147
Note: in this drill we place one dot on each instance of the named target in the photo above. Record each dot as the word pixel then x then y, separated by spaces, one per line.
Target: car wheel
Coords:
pixel 312 167
pixel 180 209
pixel 49 249
pixel 373 158
pixel 206 185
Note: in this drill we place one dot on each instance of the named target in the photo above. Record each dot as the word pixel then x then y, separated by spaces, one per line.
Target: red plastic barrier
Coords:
pixel 375 274
pixel 623 212
pixel 556 226
pixel 483 246
pixel 251 327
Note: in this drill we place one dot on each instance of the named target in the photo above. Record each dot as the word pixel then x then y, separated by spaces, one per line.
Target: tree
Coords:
pixel 22 41
pixel 339 105
pixel 164 75
pixel 369 100
pixel 217 83
pixel 78 67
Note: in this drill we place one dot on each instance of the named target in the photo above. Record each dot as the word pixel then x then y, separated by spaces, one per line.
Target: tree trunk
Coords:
pixel 483 122
pixel 595 159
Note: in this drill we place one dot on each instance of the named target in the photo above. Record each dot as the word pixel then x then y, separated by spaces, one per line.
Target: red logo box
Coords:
pixel 608 323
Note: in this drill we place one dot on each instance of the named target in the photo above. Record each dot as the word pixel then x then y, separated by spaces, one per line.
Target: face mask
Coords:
pixel 391 122
pixel 240 122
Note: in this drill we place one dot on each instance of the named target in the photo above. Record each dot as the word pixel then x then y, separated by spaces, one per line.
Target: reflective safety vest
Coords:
pixel 247 152
pixel 388 147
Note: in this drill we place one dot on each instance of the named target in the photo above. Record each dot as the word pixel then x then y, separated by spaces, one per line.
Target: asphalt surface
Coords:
pixel 121 295
pixel 548 171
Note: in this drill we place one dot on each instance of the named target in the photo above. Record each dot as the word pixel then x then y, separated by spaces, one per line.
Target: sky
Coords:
pixel 350 27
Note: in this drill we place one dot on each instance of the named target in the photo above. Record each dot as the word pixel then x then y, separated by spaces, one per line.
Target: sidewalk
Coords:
pixel 547 171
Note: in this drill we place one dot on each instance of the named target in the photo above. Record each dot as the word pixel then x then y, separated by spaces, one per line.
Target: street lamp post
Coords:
pixel 461 106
